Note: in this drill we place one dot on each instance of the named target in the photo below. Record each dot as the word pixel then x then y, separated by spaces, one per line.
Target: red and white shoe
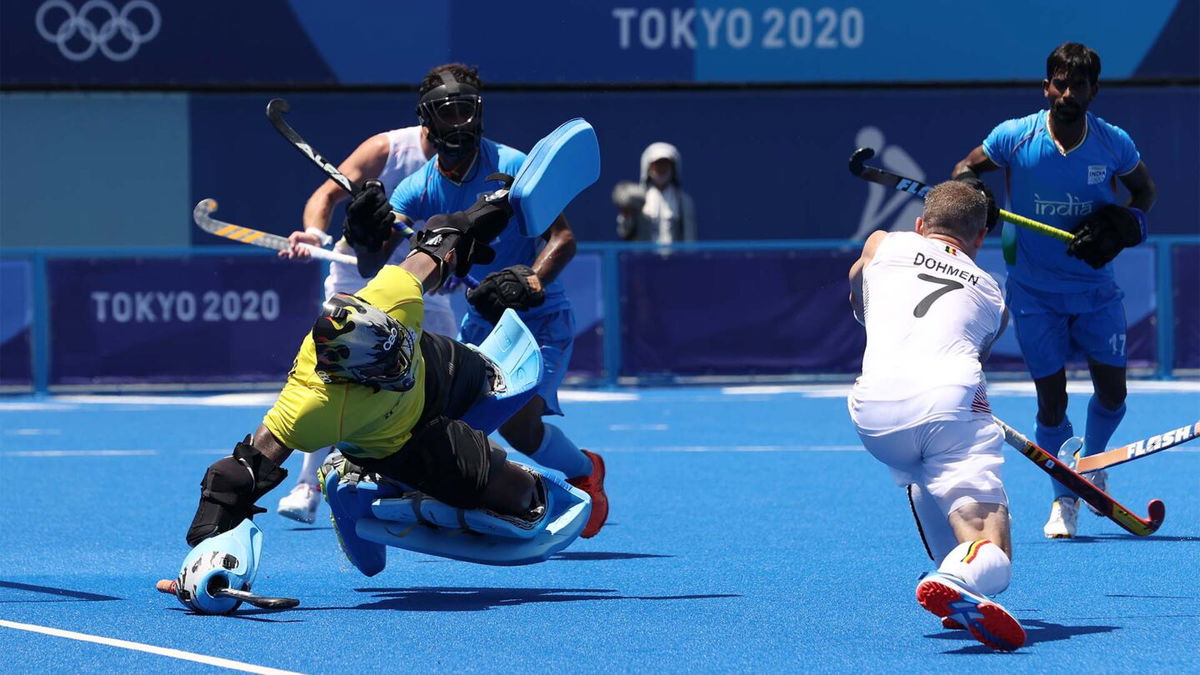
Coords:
pixel 950 624
pixel 987 621
pixel 593 484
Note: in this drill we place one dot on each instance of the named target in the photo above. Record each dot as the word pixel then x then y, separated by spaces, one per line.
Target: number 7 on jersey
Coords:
pixel 947 285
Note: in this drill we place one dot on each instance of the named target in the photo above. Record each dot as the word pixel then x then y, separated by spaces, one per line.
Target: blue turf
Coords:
pixel 746 534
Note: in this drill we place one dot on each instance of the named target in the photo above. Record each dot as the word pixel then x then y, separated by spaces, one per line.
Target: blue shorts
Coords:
pixel 555 333
pixel 1052 328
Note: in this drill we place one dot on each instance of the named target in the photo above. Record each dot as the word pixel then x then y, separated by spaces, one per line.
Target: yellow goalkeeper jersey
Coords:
pixel 311 414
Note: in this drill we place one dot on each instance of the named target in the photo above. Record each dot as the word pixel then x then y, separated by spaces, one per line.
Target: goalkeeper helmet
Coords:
pixel 453 114
pixel 358 342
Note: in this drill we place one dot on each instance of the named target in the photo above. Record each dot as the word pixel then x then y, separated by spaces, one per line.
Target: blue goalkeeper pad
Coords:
pixel 427 526
pixel 558 168
pixel 513 350
pixel 228 560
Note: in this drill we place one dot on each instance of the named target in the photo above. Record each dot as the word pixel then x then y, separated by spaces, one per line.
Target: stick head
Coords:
pixel 859 157
pixel 1157 512
pixel 277 107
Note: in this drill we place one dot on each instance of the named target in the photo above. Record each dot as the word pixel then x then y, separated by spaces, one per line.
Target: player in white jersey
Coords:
pixel 920 405
pixel 388 157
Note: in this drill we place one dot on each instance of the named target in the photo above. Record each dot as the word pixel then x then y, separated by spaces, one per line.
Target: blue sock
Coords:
pixel 1050 439
pixel 1101 423
pixel 558 452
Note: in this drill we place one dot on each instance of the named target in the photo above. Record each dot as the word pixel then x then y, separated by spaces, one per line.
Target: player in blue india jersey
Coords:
pixel 1061 167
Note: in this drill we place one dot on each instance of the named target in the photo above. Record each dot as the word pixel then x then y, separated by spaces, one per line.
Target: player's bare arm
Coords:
pixel 559 250
pixel 366 162
pixel 271 447
pixel 1142 192
pixel 976 162
pixel 856 272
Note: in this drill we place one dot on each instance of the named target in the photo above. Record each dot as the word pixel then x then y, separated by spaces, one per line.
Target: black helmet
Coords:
pixel 453 113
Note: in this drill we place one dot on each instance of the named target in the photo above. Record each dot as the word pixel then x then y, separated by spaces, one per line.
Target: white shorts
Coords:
pixel 343 278
pixel 955 456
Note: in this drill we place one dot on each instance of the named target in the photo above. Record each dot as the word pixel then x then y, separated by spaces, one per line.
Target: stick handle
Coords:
pixel 1040 228
pixel 1147 446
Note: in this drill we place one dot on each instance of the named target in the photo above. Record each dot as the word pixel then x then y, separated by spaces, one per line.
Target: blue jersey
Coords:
pixel 427 192
pixel 1058 189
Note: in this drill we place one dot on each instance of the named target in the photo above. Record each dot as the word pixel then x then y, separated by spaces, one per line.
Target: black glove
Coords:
pixel 369 218
pixel 229 489
pixel 503 289
pixel 467 233
pixel 993 213
pixel 1102 234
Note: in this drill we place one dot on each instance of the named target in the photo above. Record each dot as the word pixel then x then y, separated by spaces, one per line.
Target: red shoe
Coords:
pixel 988 622
pixel 951 624
pixel 593 484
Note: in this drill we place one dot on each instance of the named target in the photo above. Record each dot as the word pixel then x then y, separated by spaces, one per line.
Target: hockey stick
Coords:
pixel 1086 490
pixel 246 235
pixel 1146 446
pixel 262 601
pixel 276 108
pixel 914 187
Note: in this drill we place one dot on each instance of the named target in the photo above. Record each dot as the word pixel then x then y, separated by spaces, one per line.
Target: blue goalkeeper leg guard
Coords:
pixel 416 522
pixel 350 500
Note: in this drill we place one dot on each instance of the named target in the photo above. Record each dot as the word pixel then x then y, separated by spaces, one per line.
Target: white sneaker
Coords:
pixel 1100 480
pixel 301 503
pixel 1063 514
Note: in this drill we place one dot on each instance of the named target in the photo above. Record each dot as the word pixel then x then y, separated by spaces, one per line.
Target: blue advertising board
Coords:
pixel 16 323
pixel 178 320
pixel 315 42
pixel 778 312
pixel 1186 291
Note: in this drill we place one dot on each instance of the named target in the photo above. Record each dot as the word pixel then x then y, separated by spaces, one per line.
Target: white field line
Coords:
pixel 840 390
pixel 730 448
pixel 994 388
pixel 78 453
pixel 149 649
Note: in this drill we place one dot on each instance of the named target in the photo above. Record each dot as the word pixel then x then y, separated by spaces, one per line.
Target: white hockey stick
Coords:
pixel 247 235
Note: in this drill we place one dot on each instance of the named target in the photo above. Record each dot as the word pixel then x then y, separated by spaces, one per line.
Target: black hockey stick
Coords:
pixel 276 108
pixel 261 601
pixel 915 187
pixel 1106 505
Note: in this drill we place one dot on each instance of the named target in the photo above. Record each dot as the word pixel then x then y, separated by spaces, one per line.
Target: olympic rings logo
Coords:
pixel 82 23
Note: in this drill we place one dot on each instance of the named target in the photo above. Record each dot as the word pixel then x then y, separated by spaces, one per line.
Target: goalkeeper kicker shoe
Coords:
pixel 593 484
pixel 300 504
pixel 1064 512
pixel 948 597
